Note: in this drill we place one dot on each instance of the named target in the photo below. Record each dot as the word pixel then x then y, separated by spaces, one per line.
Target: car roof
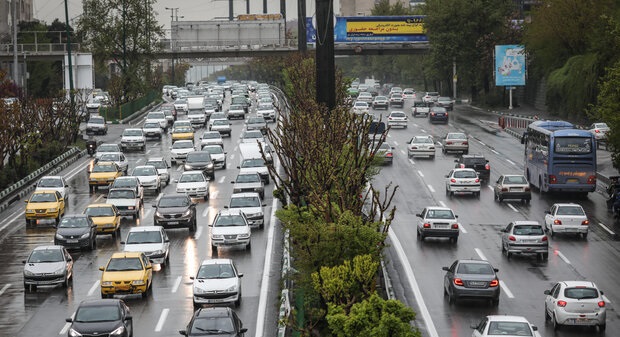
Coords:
pixel 213 312
pixel 507 318
pixel 192 172
pixel 579 284
pixel 216 261
pixel 465 156
pixel 101 302
pixel 438 208
pixel 121 255
pixel 154 159
pixel 48 247
pixel 566 204
pixel 244 195
pixel 44 192
pixel 145 229
pixel 526 222
pixel 100 205
pixel 75 215
pixel 474 261
pixel 464 169
pixel 230 211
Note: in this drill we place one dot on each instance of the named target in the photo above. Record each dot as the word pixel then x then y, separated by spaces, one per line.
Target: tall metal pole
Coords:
pixel 69 53
pixel 264 6
pixel 172 36
pixel 247 6
pixel 325 66
pixel 283 10
pixel 14 21
pixel 301 26
pixel 230 10
pixel 124 38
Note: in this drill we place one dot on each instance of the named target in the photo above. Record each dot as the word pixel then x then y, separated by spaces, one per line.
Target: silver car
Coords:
pixel 525 237
pixel 162 166
pixel 222 126
pixel 48 265
pixel 475 279
pixel 250 204
pixel 211 138
pixel 455 142
pixel 462 180
pixel 217 155
pixel 575 303
pixel 421 146
pixel 118 158
pixel 249 182
pixel 512 186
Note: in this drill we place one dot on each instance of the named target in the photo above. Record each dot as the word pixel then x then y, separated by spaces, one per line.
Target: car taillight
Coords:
pixel 561 303
pixel 544 238
pixel 494 283
pixel 465 143
pixel 458 281
pixel 448 143
pixel 504 189
pixel 455 226
pixel 512 238
pixel 414 147
pixel 591 180
pixel 446 114
pixel 597 131
pixel 389 154
pixel 432 114
pixel 477 180
pixel 557 222
pixel 601 304
pixel 553 179
pixel 452 180
pixel 389 118
pixel 487 167
pixel 585 222
pixel 427 225
pixel 462 165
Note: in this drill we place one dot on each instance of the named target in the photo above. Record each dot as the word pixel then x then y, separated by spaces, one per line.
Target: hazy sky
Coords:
pixel 191 10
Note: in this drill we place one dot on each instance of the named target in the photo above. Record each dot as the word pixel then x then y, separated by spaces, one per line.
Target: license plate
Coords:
pixel 173 222
pixel 572 180
pixel 441 226
pixel 72 241
pixel 477 283
pixel 515 189
pixel 529 241
pixel 230 241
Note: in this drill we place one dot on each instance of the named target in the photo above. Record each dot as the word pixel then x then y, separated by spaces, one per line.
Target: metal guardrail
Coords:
pixel 26 49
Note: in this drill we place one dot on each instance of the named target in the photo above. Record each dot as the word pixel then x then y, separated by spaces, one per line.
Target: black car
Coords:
pixel 104 317
pixel 200 161
pixel 76 231
pixel 477 162
pixel 175 210
pixel 438 114
pixel 221 321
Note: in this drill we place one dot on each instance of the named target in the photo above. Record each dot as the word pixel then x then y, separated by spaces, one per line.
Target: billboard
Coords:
pixel 373 29
pixel 509 65
pixel 83 71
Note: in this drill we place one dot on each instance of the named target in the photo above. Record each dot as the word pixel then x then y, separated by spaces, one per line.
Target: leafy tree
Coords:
pixel 608 107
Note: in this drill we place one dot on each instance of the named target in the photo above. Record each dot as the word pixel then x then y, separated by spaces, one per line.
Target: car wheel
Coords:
pixel 104 295
pixel 238 301
pixel 547 317
pixel 451 298
pixel 584 236
pixel 432 157
pixel 554 321
pixel 192 227
pixel 494 196
pixel 477 194
pixel 495 302
pixel 444 151
pixel 213 250
pixel 92 245
pixel 206 197
pixel 248 246
pixel 508 255
pixel 447 191
pixel 95 243
pixel 454 240
pixel 601 328
pixel 551 232
pixel 66 283
pixel 500 199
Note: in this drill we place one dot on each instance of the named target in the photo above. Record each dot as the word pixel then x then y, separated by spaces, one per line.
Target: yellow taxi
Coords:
pixel 106 217
pixel 103 174
pixel 127 273
pixel 182 133
pixel 44 204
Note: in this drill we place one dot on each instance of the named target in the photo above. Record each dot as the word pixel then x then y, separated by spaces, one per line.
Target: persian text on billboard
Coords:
pixel 373 29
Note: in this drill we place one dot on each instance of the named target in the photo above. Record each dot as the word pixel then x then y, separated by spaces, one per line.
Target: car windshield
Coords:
pixel 159 164
pixel 73 223
pixel 528 230
pixel 439 214
pixel 132 133
pixel 380 98
pixel 218 115
pixel 182 145
pixel 144 171
pixel 252 134
pixel 474 161
pixel 229 220
pixel 110 157
pixel 124 183
pixel 220 122
pixel 235 107
pixel 46 256
pixel 213 149
pixel 515 180
pixel 211 325
pixel 156 115
pixel 581 293
pixel 361 104
pixel 96 120
pixel 122 194
pixel 136 238
pixel 99 211
pixel 256 120
pixel 198 157
pixel 237 202
pixel 192 178
pixel 475 268
pixel 92 314
pixel 248 178
pixel 211 135
pixel 465 174
pixel 108 148
pixel 151 125
pixel 196 112
pixel 104 168
pixel 255 162
pixel 215 271
pixel 50 182
pixel 509 328
pixel 570 210
pixel 183 129
pixel 456 136
pixel 422 140
pixel 43 197
pixel 124 263
pixel 173 202
pixel 265 107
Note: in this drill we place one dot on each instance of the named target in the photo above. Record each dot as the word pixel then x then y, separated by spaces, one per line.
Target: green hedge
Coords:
pixel 125 110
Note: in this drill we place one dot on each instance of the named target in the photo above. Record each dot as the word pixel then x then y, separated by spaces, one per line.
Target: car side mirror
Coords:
pixel 167 240
pixel 154 206
pixel 232 182
pixel 101 268
pixel 496 270
pixel 446 176
pixel 244 330
pixel 24 261
pixel 534 327
pixel 238 167
pixel 456 216
pixel 69 320
pixel 601 292
pixel 240 274
pixel 191 277
pixel 122 242
pixel 69 259
pixel 226 206
pixel 547 292
pixel 264 205
pixel 547 212
pixel 445 268
pixel 473 326
pixel 149 267
pixel 456 160
pixel 66 185
pixel 129 318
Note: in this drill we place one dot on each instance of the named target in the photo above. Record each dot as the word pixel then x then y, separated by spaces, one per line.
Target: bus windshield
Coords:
pixel 573 145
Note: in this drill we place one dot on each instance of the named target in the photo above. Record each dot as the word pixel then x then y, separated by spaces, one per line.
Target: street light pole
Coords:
pixel 69 54
pixel 14 21
pixel 172 10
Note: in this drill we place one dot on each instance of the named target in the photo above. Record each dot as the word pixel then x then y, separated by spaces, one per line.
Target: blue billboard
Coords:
pixel 373 29
pixel 509 65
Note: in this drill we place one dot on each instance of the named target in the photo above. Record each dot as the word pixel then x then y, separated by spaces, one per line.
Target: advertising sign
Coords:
pixel 373 29
pixel 509 65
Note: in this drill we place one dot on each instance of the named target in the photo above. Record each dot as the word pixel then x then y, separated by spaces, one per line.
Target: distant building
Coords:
pixel 24 13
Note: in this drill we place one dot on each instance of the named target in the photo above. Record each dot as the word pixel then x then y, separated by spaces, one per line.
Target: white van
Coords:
pixel 252 161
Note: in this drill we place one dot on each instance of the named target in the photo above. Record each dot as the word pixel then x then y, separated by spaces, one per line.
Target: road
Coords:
pixel 43 313
pixel 415 266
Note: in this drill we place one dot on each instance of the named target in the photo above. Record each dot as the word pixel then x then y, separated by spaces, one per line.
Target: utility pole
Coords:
pixel 172 10
pixel 148 41
pixel 325 67
pixel 230 10
pixel 264 6
pixel 124 38
pixel 301 26
pixel 71 93
pixel 247 6
pixel 14 21
pixel 283 11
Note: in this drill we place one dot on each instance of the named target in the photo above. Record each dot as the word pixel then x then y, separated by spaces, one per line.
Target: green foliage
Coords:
pixel 383 7
pixel 372 317
pixel 608 107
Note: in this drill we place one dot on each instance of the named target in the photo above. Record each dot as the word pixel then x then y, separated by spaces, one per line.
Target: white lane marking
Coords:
pixel 510 161
pixel 395 143
pixel 606 299
pixel 422 130
pixel 462 228
pixel 214 195
pixel 482 143
pixel 262 301
pixel 505 289
pixel 198 233
pixel 490 187
pixel 162 319
pixel 206 211
pixel 93 288
pixel 389 135
pixel 99 198
pixel 140 159
pixel 512 207
pixel 479 252
pixel 148 151
pixel 148 213
pixel 420 173
pixel 606 228
pixel 403 152
pixel 411 161
pixel 67 326
pixel 236 146
pixel 6 286
pixel 413 284
pixel 431 188
pixel 494 151
pixel 155 145
pixel 221 180
pixel 563 257
pixel 232 156
pixel 176 285
pixel 443 204
pixel 179 168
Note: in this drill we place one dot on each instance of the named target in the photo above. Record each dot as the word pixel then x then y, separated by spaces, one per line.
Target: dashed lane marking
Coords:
pixel 221 180
pixel 205 212
pixel 510 161
pixel 479 252
pixel 67 326
pixel 99 198
pixel 411 161
pixel 494 151
pixel 403 152
pixel 92 289
pixel 512 207
pixel 505 289
pixel 6 286
pixel 431 188
pixel 162 319
pixel 395 143
pixel 176 285
pixel 606 228
pixel 198 233
pixel 420 173
pixel 443 204
pixel 564 258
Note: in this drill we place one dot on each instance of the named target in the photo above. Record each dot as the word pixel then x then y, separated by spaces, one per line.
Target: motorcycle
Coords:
pixel 91 147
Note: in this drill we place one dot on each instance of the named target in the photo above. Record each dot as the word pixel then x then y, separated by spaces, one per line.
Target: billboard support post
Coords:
pixel 509 67
pixel 510 98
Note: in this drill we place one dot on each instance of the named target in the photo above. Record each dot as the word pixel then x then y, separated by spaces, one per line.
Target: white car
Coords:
pixel 462 180
pixel 132 139
pixel 149 179
pixel 194 184
pixel 217 155
pixel 217 281
pixel 360 107
pixel 211 138
pixel 97 125
pixel 152 129
pixel 216 116
pixel 163 169
pixel 230 228
pixel 365 97
pixel 567 218
pixel 575 303
pixel 255 165
pixel 397 118
pixel 599 130
pixel 159 117
pixel 126 201
pixel 250 204
pixel 151 240
pixel 438 222
pixel 430 97
pixel 106 148
pixel 252 136
pixel 421 146
pixel 504 325
pixel 249 182
pixel 181 105
pixel 236 111
pixel 267 111
pixel 180 149
pixel 129 182
pixel 408 93
pixel 118 158
pixel 222 126
pixel 53 183
pixel 197 118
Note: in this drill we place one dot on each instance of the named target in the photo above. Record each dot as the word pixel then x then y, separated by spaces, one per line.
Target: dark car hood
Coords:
pixel 215 334
pixel 198 164
pixel 72 231
pixel 90 328
pixel 171 210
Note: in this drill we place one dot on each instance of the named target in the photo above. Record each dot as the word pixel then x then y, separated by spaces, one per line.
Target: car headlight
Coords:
pixel 28 272
pixel 217 236
pixel 210 165
pixel 59 237
pixel 244 236
pixel 254 215
pixel 198 290
pixel 60 271
pixel 137 282
pixel 130 207
pixel 30 211
pixel 258 189
pixel 52 209
pixel 158 252
pixel 232 288
pixel 106 283
pixel 202 188
pixel 187 213
pixel 73 333
pixel 118 331
pixel 158 214
pixel 84 236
